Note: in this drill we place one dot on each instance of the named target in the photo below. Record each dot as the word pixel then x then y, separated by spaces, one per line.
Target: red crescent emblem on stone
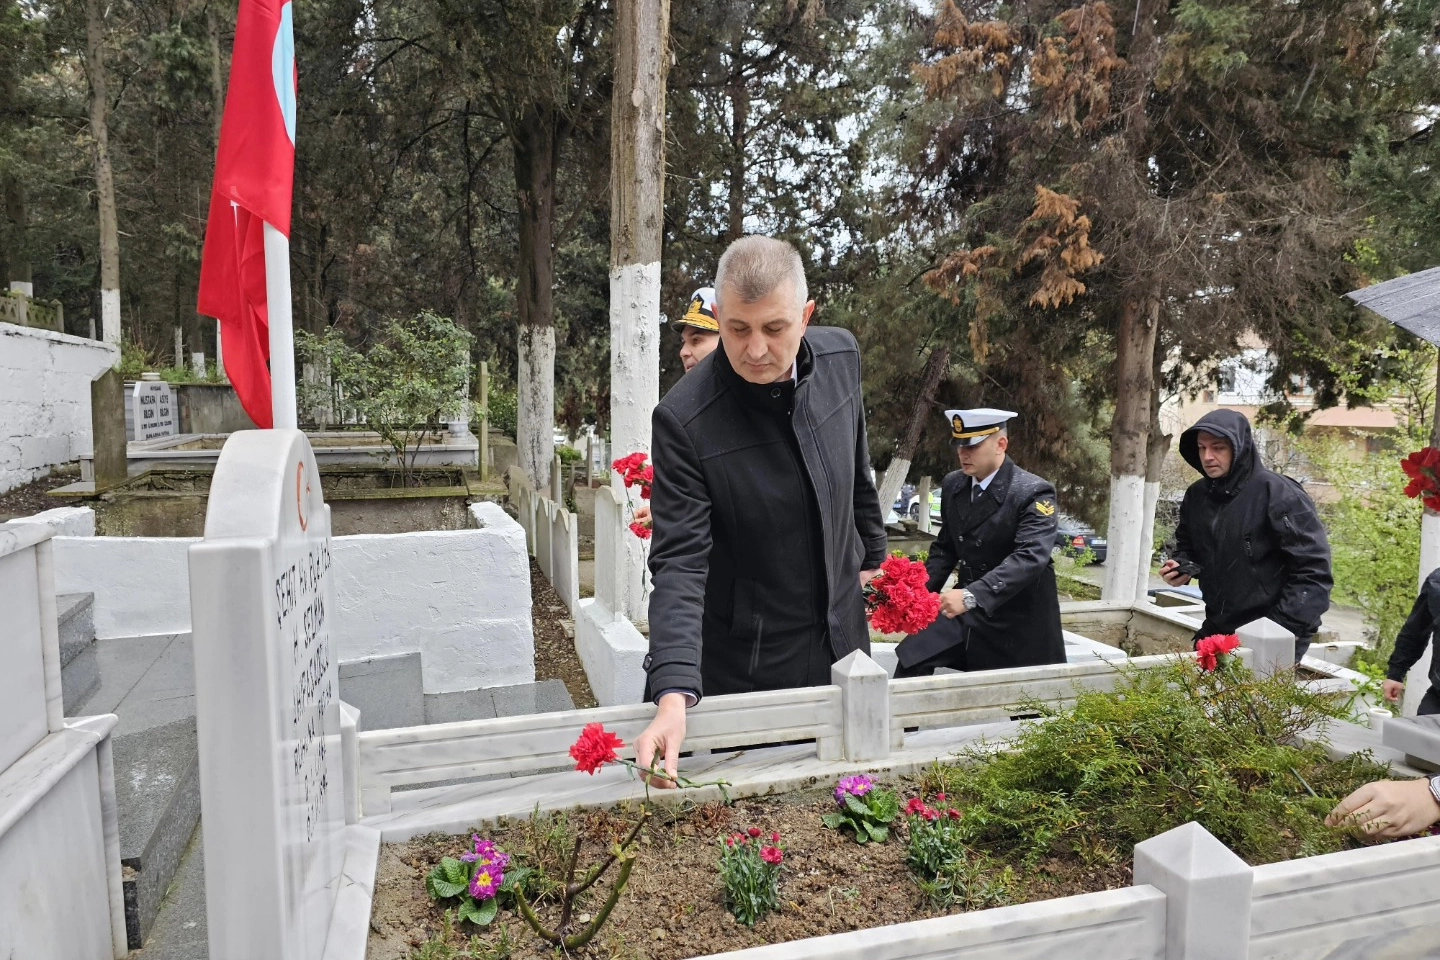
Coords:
pixel 301 488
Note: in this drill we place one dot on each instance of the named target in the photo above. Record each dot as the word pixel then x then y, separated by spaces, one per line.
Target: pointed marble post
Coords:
pixel 1273 646
pixel 1207 893
pixel 865 707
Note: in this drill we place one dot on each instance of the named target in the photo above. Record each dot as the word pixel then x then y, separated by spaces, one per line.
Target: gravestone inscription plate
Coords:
pixel 267 702
pixel 156 413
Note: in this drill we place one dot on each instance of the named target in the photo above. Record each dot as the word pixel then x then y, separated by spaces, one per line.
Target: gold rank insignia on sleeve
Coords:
pixel 1046 508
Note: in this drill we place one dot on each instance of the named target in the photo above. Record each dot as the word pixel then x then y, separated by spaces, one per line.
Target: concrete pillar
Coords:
pixel 865 707
pixel 1273 646
pixel 1207 893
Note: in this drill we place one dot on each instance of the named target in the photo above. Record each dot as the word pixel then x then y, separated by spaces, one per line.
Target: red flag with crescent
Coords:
pixel 254 183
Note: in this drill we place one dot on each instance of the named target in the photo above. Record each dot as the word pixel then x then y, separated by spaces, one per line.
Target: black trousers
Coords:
pixel 1430 704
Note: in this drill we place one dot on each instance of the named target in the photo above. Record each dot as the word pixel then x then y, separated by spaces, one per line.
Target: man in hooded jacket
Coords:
pixel 1249 535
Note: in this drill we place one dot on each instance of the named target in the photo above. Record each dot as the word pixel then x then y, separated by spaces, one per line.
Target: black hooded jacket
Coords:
pixel 1254 537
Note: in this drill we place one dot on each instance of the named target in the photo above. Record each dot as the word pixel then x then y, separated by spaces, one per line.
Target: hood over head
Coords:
pixel 1233 427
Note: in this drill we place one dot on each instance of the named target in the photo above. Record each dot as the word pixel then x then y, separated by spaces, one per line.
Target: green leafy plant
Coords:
pixel 750 872
pixel 568 455
pixel 410 378
pixel 1170 745
pixel 946 872
pixel 480 882
pixel 863 809
pixel 504 410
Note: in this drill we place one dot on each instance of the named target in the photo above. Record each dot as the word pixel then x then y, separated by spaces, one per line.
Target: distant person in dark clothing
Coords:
pixel 1421 627
pixel 1249 535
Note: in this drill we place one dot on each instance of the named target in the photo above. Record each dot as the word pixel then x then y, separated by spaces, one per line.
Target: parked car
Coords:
pixel 1073 537
pixel 914 511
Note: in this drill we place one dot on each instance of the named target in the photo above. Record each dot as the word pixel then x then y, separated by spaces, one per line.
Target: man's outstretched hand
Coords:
pixel 1388 808
pixel 662 739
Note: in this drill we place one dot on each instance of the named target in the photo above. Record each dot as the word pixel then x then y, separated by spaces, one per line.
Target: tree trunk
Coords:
pixel 1157 445
pixel 217 72
pixel 104 177
pixel 637 184
pixel 905 453
pixel 17 257
pixel 535 156
pixel 739 135
pixel 1135 349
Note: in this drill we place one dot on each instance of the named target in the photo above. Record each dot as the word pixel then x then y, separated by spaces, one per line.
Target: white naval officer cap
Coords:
pixel 969 427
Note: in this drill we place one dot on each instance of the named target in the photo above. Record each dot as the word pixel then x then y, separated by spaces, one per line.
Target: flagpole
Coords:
pixel 282 336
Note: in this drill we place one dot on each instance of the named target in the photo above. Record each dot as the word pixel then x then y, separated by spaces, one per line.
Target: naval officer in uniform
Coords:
pixel 997 530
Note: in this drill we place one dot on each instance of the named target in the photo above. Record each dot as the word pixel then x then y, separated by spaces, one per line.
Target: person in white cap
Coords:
pixel 699 330
pixel 997 530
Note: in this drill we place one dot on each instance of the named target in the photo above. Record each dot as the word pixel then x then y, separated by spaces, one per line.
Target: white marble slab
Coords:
pixel 53 852
pixel 23 715
pixel 267 704
pixel 756 772
pixel 350 924
pixel 1304 907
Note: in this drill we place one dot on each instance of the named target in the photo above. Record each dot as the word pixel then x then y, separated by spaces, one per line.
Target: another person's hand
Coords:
pixel 952 603
pixel 867 575
pixel 1388 808
pixel 1170 573
pixel 1393 690
pixel 661 740
pixel 642 513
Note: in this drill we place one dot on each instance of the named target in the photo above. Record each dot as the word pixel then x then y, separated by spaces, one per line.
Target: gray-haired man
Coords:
pixel 767 523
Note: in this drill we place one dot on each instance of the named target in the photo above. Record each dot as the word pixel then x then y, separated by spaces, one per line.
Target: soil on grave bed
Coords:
pixel 673 907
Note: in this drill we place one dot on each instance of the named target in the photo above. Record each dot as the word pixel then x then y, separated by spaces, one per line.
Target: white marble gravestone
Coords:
pixel 266 702
pixel 156 412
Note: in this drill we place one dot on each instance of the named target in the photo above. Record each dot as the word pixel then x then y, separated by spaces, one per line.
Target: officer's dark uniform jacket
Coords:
pixel 1000 546
pixel 1254 536
pixel 764 514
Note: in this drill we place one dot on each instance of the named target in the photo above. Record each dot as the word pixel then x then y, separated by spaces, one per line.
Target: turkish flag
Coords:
pixel 254 184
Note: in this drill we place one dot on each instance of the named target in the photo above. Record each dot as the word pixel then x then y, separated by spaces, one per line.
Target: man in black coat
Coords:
pixel 1421 629
pixel 766 520
pixel 1249 535
pixel 997 531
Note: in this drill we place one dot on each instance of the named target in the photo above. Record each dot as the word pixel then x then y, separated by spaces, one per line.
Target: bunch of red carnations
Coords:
pixel 897 600
pixel 637 471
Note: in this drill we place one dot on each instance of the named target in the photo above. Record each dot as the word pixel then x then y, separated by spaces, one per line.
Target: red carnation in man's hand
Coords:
pixel 595 748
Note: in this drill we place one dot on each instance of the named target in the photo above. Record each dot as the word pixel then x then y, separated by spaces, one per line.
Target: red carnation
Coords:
pixel 753 831
pixel 641 530
pixel 1423 469
pixel 775 837
pixel 1211 649
pixel 916 805
pixel 595 748
pixel 772 855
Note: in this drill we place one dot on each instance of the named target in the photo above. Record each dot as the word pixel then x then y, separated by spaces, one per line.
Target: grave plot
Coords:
pixel 1037 877
pixel 1053 815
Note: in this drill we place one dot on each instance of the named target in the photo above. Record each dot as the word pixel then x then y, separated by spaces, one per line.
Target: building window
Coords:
pixel 1227 379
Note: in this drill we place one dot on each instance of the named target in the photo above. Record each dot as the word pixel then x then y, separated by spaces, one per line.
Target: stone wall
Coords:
pixel 45 393
pixel 210 408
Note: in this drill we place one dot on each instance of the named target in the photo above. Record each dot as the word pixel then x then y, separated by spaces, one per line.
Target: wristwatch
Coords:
pixel 1435 787
pixel 968 598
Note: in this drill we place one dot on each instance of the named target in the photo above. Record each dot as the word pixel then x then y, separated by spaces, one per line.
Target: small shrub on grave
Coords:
pixel 479 882
pixel 750 872
pixel 1170 745
pixel 864 809
pixel 568 455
